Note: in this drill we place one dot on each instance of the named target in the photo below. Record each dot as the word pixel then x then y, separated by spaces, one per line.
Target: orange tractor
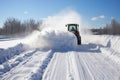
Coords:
pixel 74 29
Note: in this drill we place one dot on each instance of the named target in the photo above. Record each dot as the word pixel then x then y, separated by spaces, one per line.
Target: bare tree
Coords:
pixel 14 26
pixel 112 29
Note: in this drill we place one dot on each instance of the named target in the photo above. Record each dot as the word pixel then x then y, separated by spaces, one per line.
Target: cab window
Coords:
pixel 72 28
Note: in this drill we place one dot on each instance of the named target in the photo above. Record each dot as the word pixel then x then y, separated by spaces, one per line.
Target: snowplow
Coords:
pixel 74 29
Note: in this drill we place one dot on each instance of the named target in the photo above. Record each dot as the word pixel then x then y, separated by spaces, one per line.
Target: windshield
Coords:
pixel 72 28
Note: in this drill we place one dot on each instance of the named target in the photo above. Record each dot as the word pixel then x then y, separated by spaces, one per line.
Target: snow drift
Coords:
pixel 6 54
pixel 108 44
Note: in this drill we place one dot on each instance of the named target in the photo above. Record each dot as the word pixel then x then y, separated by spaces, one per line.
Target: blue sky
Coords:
pixel 93 12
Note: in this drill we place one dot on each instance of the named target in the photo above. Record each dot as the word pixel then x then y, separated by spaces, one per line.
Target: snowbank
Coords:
pixel 112 49
pixel 6 54
pixel 109 45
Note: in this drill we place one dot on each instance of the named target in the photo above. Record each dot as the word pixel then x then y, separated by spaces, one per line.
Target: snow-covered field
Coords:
pixel 52 54
pixel 98 58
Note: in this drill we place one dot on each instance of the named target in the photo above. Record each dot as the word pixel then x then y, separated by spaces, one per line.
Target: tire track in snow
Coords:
pixel 40 71
pixel 86 70
pixel 56 69
pixel 16 61
pixel 26 68
pixel 80 70
pixel 111 70
pixel 67 66
pixel 101 68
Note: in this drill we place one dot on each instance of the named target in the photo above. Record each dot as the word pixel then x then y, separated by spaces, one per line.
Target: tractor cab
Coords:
pixel 74 29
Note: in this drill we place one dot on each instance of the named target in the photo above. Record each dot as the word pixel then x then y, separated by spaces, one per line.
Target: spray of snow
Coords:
pixel 59 21
pixel 53 33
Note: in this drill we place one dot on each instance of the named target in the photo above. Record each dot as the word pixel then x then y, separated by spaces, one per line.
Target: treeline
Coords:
pixel 113 28
pixel 13 26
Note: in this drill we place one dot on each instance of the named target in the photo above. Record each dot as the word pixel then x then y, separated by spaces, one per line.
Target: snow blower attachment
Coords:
pixel 74 29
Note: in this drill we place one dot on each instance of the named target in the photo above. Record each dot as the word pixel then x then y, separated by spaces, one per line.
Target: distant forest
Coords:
pixel 13 26
pixel 113 28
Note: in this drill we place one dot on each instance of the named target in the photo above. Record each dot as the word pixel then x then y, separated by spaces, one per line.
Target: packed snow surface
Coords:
pixel 52 54
pixel 98 58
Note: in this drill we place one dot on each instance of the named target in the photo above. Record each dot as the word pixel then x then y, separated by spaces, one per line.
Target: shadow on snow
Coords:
pixel 91 48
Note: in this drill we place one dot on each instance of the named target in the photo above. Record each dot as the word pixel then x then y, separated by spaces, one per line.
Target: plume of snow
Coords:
pixel 53 32
pixel 58 21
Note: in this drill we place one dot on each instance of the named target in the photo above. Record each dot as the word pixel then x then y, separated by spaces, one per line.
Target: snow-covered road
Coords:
pixel 81 66
pixel 92 60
